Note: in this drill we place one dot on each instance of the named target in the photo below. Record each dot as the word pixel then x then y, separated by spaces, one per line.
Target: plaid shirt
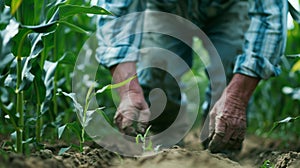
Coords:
pixel 264 40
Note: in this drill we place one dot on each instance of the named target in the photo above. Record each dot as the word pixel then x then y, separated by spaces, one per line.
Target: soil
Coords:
pixel 255 152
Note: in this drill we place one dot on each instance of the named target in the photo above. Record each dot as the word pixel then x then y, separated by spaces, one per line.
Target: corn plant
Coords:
pixel 267 164
pixel 32 50
pixel 82 111
pixel 143 139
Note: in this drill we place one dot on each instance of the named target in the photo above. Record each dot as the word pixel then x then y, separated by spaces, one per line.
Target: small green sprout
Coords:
pixel 143 139
pixel 267 164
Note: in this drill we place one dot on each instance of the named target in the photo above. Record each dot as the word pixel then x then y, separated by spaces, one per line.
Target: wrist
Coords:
pixel 241 87
pixel 122 72
pixel 131 88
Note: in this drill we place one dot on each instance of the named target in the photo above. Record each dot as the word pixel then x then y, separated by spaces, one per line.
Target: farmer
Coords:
pixel 249 37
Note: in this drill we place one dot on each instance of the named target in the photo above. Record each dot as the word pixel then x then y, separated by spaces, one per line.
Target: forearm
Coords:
pixel 242 87
pixel 123 71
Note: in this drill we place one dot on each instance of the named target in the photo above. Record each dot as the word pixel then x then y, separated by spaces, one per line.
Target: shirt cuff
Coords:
pixel 110 56
pixel 255 66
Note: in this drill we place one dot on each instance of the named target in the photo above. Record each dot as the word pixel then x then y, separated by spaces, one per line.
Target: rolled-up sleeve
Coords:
pixel 264 40
pixel 119 36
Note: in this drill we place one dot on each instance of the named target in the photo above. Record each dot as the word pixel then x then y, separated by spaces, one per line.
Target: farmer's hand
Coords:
pixel 228 116
pixel 133 113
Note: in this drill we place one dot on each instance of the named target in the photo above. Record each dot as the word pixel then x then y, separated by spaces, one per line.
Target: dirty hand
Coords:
pixel 227 124
pixel 132 115
pixel 228 116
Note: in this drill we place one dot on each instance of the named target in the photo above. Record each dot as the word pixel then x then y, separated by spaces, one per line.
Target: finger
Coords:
pixel 127 119
pixel 216 144
pixel 237 141
pixel 227 134
pixel 240 132
pixel 143 120
pixel 118 120
pixel 235 145
pixel 222 128
pixel 141 127
pixel 130 131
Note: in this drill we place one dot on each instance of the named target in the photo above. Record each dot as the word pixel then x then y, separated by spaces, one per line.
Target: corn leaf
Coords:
pixel 63 150
pixel 284 121
pixel 296 66
pixel 43 28
pixel 15 4
pixel 61 130
pixel 70 10
pixel 117 85
pixel 73 27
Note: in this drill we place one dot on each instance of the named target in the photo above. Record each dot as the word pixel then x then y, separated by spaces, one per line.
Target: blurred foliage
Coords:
pixel 39 42
pixel 279 98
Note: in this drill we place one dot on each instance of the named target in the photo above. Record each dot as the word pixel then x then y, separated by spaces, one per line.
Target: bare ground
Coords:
pixel 256 150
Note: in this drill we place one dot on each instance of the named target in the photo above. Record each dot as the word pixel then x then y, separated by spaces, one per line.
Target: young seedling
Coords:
pixel 83 110
pixel 267 164
pixel 284 121
pixel 143 139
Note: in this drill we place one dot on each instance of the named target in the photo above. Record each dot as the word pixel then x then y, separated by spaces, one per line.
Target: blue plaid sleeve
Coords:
pixel 119 36
pixel 264 40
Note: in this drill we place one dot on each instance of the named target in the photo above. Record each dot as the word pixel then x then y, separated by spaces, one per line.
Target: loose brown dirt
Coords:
pixel 255 152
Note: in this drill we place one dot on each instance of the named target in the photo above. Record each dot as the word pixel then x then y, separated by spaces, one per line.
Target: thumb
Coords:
pixel 144 116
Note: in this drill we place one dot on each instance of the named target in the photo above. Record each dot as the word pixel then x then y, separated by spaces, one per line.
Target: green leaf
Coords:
pixel 51 27
pixel 67 59
pixel 11 79
pixel 63 150
pixel 77 105
pixel 15 4
pixel 294 13
pixel 43 28
pixel 149 146
pixel 284 121
pixel 103 114
pixel 138 138
pixel 267 164
pixel 27 140
pixel 89 95
pixel 114 86
pixel 75 128
pixel 147 131
pixel 5 61
pixel 70 10
pixel 4 18
pixel 49 68
pixel 40 88
pixel 73 27
pixel 296 66
pixel 61 131
pixel 21 44
pixel 61 11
